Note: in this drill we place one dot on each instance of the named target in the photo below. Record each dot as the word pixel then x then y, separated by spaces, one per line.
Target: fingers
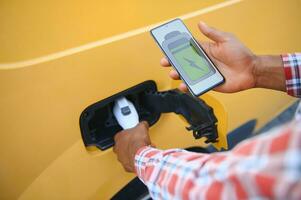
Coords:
pixel 183 87
pixel 174 75
pixel 164 62
pixel 212 33
pixel 116 136
pixel 144 124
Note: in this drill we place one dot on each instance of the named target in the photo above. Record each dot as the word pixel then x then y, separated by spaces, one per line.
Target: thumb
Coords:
pixel 212 33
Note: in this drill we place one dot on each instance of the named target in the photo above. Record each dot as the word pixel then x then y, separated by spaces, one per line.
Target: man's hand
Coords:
pixel 235 61
pixel 127 143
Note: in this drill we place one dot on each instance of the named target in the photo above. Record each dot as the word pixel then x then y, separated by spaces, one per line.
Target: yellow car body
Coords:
pixel 58 57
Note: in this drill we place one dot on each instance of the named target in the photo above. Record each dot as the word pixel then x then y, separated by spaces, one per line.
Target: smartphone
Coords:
pixel 188 58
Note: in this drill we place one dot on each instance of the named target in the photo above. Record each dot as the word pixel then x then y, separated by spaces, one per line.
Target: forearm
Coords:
pixel 269 73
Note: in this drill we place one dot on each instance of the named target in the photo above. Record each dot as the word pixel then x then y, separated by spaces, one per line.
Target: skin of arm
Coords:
pixel 269 73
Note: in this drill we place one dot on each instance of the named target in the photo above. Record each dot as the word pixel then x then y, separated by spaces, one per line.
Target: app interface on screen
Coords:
pixel 193 64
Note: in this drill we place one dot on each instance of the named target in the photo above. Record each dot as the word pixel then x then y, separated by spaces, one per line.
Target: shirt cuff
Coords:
pixel 292 70
pixel 147 161
pixel 142 157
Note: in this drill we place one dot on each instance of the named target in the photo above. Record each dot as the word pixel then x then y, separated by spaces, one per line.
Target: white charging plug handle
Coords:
pixel 125 113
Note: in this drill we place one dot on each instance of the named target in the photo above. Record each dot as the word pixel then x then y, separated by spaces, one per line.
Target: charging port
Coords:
pixel 99 125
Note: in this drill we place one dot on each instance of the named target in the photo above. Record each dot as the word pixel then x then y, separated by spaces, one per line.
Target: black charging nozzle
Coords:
pixel 197 113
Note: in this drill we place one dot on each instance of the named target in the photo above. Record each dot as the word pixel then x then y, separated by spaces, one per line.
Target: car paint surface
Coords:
pixel 58 57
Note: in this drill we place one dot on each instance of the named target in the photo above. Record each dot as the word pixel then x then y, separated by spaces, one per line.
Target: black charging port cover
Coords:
pixel 98 124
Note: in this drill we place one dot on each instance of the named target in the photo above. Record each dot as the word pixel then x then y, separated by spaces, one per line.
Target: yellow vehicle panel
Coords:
pixel 58 57
pixel 36 28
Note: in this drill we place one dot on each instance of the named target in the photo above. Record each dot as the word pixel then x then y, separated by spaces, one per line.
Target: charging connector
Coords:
pixel 125 113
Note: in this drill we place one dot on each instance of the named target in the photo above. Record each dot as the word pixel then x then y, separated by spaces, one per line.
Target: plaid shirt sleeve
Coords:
pixel 292 69
pixel 267 166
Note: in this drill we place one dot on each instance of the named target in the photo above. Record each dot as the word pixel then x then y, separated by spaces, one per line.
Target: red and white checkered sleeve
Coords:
pixel 265 167
pixel 292 69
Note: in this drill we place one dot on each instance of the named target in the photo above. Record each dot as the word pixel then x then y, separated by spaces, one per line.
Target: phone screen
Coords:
pixel 193 63
pixel 189 59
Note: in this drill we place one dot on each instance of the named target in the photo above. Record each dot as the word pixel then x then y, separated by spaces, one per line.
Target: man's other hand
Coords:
pixel 234 60
pixel 127 143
